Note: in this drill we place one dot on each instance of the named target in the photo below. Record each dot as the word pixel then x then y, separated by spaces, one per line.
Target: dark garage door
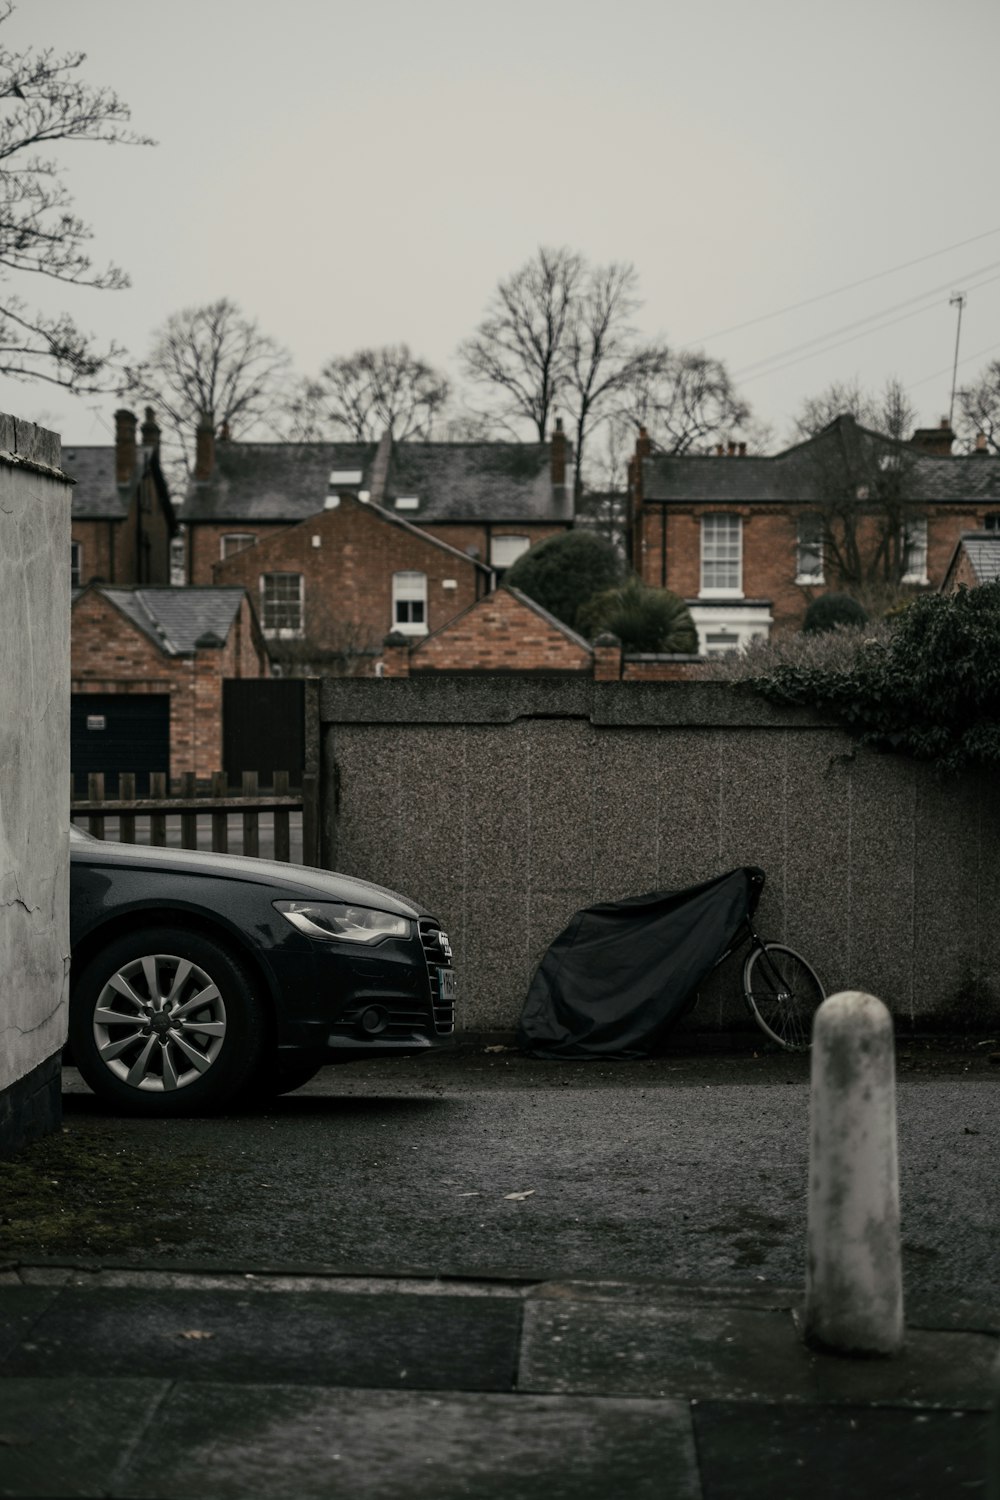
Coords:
pixel 114 732
pixel 263 728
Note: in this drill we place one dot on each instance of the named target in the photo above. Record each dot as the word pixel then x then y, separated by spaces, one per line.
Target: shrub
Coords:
pixel 929 689
pixel 831 610
pixel 643 619
pixel 564 571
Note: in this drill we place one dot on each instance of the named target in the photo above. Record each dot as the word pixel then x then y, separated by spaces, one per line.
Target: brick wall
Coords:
pixel 501 634
pixel 348 573
pixel 204 544
pixel 466 534
pixel 97 541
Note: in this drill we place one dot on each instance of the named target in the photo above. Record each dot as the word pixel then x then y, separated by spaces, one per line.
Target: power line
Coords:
pixel 966 360
pixel 848 287
pixel 754 372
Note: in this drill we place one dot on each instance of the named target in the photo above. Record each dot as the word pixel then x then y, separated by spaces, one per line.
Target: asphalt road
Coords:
pixel 688 1167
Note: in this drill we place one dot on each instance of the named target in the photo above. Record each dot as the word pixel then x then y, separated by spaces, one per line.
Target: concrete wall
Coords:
pixel 34 777
pixel 505 804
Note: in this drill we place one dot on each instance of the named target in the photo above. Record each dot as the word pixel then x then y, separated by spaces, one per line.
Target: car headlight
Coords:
pixel 335 921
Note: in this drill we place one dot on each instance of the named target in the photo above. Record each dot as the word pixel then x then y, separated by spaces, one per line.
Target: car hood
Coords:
pixel 291 881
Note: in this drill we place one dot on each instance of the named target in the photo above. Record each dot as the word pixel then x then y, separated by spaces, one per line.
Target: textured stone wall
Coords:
pixel 505 804
pixel 34 773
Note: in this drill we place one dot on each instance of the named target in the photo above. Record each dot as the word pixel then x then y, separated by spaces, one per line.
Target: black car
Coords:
pixel 200 979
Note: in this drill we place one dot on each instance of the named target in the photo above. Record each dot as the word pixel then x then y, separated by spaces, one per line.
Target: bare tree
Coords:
pixel 210 363
pixel 519 349
pixel 600 359
pixel 683 398
pixel 864 473
pixel 367 393
pixel 45 103
pixel 979 408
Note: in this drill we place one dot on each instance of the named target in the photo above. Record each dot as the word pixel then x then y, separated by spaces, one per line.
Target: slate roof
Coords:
pixel 96 495
pixel 983 551
pixel 288 482
pixel 174 618
pixel 795 474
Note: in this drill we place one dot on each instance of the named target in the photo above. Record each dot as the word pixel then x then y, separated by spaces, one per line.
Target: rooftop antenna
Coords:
pixel 957 299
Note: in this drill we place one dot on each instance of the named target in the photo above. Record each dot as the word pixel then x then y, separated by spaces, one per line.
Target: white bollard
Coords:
pixel 854 1283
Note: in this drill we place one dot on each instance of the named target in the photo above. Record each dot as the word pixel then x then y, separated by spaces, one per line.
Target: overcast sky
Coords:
pixel 364 173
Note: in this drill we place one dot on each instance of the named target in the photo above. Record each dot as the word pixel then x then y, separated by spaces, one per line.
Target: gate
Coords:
pixel 263 728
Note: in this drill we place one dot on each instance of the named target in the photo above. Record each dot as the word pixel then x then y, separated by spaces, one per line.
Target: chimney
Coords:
pixel 731 450
pixel 743 450
pixel 150 431
pixel 204 452
pixel 607 658
pixel 719 450
pixel 558 456
pixel 937 440
pixel 643 445
pixel 124 447
pixel 981 444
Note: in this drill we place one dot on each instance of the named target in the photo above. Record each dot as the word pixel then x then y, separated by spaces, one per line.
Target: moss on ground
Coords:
pixel 80 1190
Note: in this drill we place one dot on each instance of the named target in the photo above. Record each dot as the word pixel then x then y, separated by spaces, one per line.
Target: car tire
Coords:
pixel 166 1022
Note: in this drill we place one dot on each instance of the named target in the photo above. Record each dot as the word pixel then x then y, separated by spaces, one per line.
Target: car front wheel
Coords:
pixel 164 1022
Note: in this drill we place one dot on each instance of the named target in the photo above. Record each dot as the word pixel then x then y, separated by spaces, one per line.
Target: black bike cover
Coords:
pixel 623 971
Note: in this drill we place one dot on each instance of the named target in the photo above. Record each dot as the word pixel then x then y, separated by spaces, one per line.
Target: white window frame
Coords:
pixel 282 632
pixel 246 540
pixel 75 565
pixel 409 598
pixel 914 545
pixel 715 544
pixel 501 557
pixel 809 543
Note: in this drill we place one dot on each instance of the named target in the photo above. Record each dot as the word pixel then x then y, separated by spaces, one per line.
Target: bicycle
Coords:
pixel 782 990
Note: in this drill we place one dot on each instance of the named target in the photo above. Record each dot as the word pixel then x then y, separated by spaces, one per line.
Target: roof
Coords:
pixel 523 599
pixel 796 474
pixel 982 548
pixel 96 496
pixel 175 618
pixel 288 482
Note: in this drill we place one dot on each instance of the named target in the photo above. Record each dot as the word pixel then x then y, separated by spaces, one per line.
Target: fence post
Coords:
pixel 282 839
pixel 220 820
pixel 189 820
pixel 158 821
pixel 251 817
pixel 126 821
pixel 95 793
pixel 854 1285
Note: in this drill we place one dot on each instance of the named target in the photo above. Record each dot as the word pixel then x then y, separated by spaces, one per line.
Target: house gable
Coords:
pixel 506 631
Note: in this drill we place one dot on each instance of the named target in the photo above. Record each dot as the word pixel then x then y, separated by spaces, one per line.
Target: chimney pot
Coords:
pixel 204 453
pixel 981 443
pixel 643 444
pixel 731 450
pixel 150 430
pixel 124 446
pixel 743 450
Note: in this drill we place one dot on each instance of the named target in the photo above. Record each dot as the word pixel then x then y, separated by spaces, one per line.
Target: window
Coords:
pixel 809 553
pixel 915 551
pixel 992 521
pixel 721 556
pixel 505 551
pixel 281 603
pixel 409 603
pixel 236 541
pixel 178 560
pixel 75 564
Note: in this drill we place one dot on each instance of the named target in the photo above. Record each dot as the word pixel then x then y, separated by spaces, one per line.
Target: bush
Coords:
pixel 564 571
pixel 643 619
pixel 929 689
pixel 831 610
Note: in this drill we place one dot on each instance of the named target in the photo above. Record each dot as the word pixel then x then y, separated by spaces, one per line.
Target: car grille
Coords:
pixel 438 955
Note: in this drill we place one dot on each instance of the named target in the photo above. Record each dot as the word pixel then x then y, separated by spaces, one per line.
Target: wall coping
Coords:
pixel 505 698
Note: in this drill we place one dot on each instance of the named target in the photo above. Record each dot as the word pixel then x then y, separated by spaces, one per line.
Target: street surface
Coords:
pixel 690 1167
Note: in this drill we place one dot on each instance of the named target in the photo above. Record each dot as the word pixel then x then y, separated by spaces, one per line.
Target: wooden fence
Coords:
pixel 203 808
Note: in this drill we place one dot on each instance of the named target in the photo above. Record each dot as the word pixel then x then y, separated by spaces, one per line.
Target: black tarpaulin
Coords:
pixel 623 971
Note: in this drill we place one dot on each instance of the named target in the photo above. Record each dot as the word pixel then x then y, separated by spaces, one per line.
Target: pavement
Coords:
pixel 190 1384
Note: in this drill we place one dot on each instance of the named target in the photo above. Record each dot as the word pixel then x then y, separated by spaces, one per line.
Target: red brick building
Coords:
pixel 147 668
pixel 976 560
pixel 745 540
pixel 338 543
pixel 122 516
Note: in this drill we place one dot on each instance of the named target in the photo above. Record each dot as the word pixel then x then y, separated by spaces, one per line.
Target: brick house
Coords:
pixel 975 560
pixel 122 516
pixel 508 632
pixel 485 503
pixel 147 667
pixel 741 537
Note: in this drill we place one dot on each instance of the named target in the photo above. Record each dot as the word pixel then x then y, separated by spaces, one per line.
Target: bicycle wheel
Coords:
pixel 783 993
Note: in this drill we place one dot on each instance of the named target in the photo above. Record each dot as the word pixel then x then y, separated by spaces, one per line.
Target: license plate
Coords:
pixel 447 984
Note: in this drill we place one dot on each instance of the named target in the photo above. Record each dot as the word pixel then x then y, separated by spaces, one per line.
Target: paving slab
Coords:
pixel 20 1309
pixel 391 1341
pixel 71 1438
pixel 736 1353
pixel 298 1442
pixel 823 1453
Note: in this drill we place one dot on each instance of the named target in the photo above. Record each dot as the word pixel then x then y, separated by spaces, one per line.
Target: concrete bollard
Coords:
pixel 854 1283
